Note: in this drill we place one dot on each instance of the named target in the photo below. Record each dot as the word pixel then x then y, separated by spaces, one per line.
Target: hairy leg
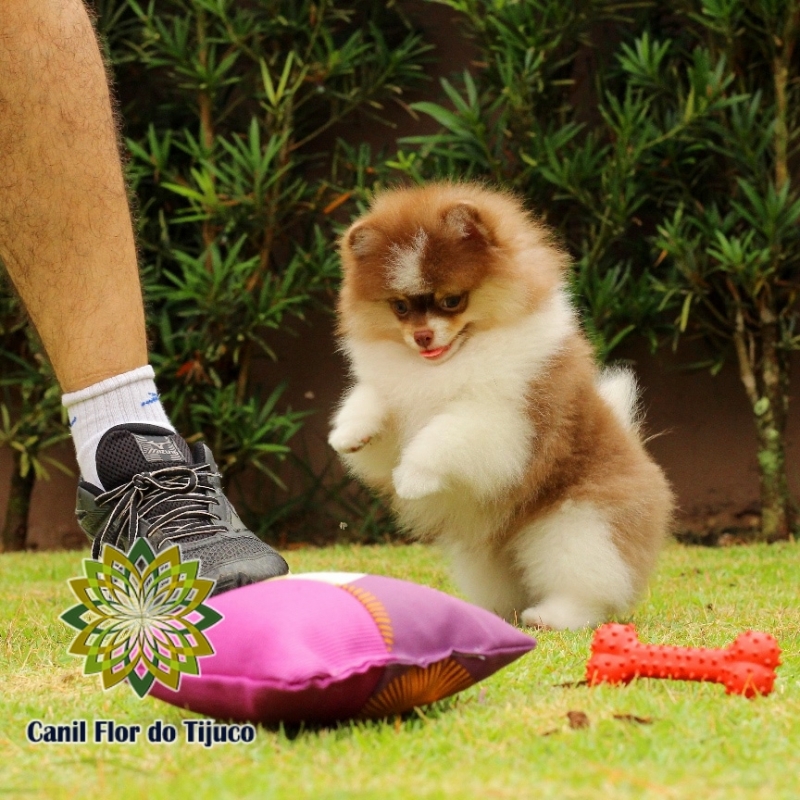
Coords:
pixel 66 237
pixel 67 242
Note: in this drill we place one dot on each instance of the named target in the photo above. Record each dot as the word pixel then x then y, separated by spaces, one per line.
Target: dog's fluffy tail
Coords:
pixel 618 387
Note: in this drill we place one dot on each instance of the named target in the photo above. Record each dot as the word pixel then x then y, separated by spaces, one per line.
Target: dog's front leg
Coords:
pixel 358 420
pixel 470 444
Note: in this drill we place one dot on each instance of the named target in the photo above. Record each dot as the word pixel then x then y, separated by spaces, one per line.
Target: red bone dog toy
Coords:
pixel 745 667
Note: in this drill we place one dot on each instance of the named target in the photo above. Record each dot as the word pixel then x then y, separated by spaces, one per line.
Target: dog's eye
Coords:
pixel 452 302
pixel 400 307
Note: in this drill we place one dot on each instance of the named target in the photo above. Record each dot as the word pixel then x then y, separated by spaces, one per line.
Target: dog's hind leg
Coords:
pixel 574 573
pixel 488 579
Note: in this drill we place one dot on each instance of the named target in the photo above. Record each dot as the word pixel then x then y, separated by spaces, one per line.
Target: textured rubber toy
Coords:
pixel 747 666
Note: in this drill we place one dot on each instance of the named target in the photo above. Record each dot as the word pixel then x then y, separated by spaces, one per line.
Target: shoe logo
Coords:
pixel 159 448
pixel 140 617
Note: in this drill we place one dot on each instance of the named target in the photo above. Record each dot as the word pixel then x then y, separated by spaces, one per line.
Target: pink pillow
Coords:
pixel 321 647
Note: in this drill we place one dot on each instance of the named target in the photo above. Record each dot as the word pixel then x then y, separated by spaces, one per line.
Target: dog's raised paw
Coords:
pixel 349 438
pixel 412 483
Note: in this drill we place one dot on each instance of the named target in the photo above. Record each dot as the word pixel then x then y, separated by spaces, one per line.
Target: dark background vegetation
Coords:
pixel 658 138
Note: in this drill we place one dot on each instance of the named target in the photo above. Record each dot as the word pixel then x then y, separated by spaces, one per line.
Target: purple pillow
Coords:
pixel 320 647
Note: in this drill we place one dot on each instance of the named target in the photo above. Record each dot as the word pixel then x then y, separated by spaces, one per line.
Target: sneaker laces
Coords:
pixel 179 486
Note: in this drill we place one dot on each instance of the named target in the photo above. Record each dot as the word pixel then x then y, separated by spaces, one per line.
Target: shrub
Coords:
pixel 228 106
pixel 31 419
pixel 731 227
pixel 675 196
pixel 524 120
pixel 236 116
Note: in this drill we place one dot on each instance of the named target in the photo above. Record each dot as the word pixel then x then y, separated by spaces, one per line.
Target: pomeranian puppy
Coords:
pixel 478 409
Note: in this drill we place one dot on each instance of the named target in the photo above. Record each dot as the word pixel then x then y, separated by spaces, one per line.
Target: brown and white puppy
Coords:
pixel 478 409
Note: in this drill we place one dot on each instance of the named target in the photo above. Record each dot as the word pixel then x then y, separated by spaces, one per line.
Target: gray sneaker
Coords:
pixel 159 489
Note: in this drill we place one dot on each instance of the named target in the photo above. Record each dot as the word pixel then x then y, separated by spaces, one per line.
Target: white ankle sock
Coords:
pixel 130 397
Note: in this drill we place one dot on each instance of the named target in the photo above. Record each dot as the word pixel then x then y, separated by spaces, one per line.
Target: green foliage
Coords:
pixel 660 139
pixel 730 210
pixel 675 196
pixel 523 120
pixel 676 121
pixel 237 119
pixel 31 417
pixel 30 424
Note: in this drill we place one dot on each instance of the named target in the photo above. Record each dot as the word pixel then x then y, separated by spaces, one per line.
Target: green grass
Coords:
pixel 506 737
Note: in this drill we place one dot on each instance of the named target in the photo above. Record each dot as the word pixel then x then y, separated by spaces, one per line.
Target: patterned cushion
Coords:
pixel 321 647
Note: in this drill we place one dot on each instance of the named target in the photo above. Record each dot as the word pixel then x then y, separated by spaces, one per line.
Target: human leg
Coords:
pixel 66 239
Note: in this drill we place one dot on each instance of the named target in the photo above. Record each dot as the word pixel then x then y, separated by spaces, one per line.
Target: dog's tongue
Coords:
pixel 433 353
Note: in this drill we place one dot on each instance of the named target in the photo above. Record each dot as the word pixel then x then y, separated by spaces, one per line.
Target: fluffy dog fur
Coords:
pixel 478 410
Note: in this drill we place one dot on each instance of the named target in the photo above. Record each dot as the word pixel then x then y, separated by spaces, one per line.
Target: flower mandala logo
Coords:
pixel 141 617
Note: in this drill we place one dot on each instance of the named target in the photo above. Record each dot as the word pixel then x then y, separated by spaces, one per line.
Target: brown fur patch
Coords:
pixel 473 237
pixel 583 453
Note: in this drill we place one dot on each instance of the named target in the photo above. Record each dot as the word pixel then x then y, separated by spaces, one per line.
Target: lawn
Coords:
pixel 510 736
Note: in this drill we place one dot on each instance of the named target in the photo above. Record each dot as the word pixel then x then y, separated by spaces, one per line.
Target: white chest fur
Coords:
pixel 445 440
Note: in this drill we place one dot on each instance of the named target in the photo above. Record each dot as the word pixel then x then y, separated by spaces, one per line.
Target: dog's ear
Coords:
pixel 362 239
pixel 466 222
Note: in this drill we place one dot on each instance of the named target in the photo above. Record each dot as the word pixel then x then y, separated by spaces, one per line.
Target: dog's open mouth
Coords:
pixel 435 353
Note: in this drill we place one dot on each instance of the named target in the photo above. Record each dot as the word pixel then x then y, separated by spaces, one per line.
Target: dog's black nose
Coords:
pixel 423 338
